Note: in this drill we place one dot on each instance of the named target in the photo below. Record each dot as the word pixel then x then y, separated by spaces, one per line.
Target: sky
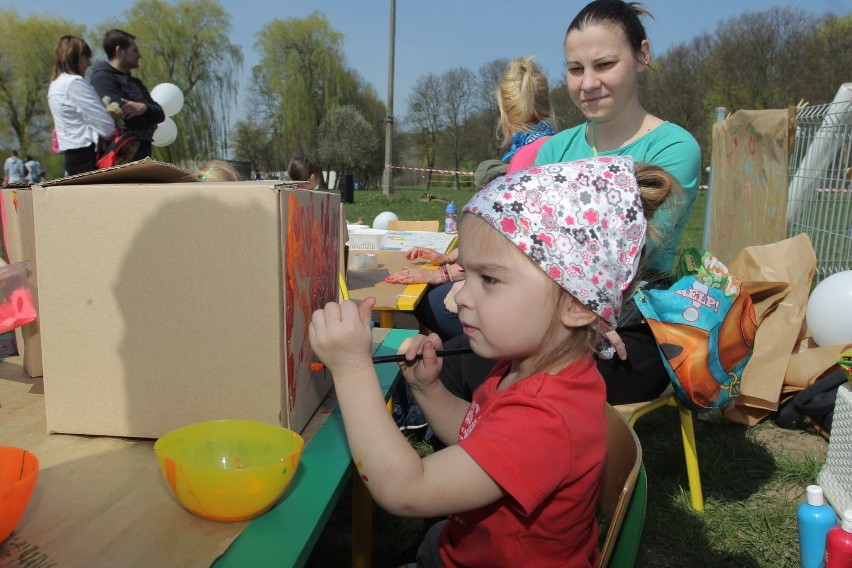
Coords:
pixel 433 36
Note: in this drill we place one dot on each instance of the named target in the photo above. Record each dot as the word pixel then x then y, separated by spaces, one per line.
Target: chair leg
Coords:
pixel 691 454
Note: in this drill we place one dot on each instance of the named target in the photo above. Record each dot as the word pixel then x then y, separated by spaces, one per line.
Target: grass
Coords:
pixel 753 478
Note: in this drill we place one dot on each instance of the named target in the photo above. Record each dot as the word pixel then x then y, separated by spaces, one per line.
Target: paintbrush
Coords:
pixel 399 357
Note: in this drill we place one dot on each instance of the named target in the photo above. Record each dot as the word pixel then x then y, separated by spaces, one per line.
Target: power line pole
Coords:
pixel 387 176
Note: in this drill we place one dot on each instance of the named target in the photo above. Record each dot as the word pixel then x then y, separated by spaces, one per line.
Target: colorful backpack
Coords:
pixel 705 326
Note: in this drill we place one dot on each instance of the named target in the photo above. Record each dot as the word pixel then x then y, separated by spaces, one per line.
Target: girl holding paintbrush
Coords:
pixel 548 252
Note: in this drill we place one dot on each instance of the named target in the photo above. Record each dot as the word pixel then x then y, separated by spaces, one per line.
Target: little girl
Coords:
pixel 548 252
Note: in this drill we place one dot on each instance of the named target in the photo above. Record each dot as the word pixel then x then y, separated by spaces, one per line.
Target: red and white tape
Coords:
pixel 391 167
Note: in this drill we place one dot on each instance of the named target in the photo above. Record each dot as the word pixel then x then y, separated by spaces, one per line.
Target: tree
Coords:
pixel 675 87
pixel 483 122
pixel 187 44
pixel 828 52
pixel 301 75
pixel 755 58
pixel 347 142
pixel 426 118
pixel 26 69
pixel 457 88
pixel 252 143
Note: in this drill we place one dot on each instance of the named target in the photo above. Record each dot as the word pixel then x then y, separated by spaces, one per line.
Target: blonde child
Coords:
pixel 548 252
pixel 217 170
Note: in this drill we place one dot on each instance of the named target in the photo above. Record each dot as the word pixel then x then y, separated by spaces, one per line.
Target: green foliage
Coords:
pixel 186 43
pixel 26 69
pixel 300 77
pixel 347 142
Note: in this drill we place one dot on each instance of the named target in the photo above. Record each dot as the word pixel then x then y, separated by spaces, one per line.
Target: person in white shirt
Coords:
pixel 79 116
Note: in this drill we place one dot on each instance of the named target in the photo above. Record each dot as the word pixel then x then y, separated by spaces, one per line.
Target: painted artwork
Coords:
pixel 748 205
pixel 310 268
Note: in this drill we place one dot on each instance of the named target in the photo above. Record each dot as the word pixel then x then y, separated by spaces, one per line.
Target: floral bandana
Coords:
pixel 581 222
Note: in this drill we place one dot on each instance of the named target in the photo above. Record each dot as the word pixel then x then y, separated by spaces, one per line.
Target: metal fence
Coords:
pixel 820 191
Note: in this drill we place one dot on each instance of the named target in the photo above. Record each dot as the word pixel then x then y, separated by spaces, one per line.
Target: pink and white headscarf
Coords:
pixel 581 222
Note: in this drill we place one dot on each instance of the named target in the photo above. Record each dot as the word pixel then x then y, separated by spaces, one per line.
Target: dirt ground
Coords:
pixel 796 443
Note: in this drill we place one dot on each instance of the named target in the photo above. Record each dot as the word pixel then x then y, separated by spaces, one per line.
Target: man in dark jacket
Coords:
pixel 113 79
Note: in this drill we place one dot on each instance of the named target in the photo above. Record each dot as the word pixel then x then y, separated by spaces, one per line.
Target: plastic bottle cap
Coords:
pixel 846 522
pixel 451 207
pixel 815 496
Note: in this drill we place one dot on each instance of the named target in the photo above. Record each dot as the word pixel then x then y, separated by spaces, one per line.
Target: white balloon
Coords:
pixel 166 133
pixel 169 96
pixel 829 312
pixel 381 220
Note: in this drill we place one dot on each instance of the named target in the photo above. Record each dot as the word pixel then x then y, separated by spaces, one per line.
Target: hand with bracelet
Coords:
pixel 448 269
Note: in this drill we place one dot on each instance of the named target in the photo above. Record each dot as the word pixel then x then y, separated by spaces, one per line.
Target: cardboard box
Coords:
pixel 167 304
pixel 16 216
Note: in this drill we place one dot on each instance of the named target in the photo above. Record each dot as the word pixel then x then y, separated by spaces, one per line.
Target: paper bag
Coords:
pixel 779 277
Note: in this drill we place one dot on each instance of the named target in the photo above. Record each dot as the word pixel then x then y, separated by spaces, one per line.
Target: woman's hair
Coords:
pixel 69 51
pixel 523 97
pixel 301 168
pixel 217 170
pixel 656 186
pixel 623 15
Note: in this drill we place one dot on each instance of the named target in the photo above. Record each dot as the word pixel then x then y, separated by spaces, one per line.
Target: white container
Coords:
pixel 367 239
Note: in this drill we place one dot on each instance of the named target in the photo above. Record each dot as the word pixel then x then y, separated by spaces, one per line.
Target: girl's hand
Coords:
pixel 431 255
pixel 412 275
pixel 421 372
pixel 340 335
pixel 617 343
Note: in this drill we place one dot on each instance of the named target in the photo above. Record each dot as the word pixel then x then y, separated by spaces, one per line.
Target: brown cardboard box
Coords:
pixel 16 212
pixel 167 304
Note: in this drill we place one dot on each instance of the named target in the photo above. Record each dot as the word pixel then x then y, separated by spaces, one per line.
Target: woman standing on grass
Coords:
pixel 606 50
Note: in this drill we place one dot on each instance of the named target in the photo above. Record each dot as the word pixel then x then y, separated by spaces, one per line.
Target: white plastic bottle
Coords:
pixel 815 518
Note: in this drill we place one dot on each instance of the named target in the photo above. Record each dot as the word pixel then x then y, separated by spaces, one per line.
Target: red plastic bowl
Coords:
pixel 18 474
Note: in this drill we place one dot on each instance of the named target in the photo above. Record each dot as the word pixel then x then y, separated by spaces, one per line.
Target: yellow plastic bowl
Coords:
pixel 229 470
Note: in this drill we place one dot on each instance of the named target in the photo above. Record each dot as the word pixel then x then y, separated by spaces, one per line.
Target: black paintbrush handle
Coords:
pixel 401 357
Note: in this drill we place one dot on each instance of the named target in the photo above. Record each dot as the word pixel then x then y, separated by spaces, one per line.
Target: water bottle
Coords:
pixel 838 544
pixel 450 225
pixel 815 518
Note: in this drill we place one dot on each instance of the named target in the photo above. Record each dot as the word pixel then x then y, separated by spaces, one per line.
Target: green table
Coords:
pixel 286 535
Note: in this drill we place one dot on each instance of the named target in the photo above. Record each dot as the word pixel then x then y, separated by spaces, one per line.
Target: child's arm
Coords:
pixel 446 482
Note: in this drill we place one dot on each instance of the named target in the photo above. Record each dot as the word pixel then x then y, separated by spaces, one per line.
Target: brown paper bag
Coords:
pixel 766 272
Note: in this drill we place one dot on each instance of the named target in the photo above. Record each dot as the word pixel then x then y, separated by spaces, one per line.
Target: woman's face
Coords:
pixel 603 71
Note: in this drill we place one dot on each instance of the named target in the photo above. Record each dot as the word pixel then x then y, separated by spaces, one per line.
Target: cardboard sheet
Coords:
pixel 98 502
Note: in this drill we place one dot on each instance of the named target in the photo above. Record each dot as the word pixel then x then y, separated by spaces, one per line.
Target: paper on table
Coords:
pixel 405 240
pixel 98 501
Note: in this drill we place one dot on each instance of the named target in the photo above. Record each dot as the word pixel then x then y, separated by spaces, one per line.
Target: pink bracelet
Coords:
pixel 446 276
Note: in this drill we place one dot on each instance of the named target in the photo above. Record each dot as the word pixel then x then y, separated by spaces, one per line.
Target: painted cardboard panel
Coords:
pixel 310 241
pixel 748 203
